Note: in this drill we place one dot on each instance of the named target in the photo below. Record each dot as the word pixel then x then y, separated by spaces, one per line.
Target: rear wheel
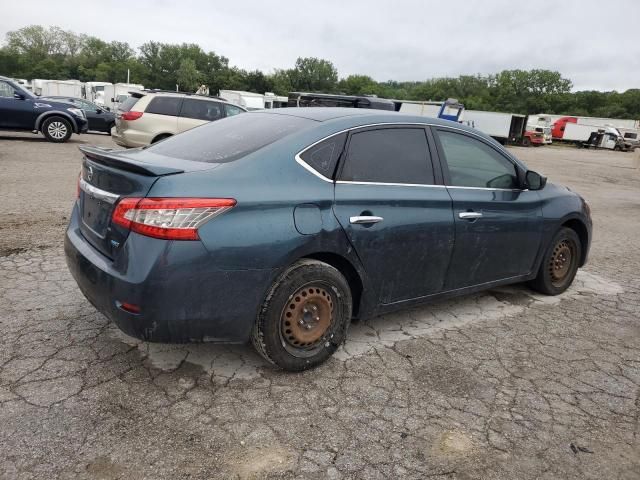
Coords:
pixel 560 263
pixel 526 142
pixel 56 129
pixel 305 316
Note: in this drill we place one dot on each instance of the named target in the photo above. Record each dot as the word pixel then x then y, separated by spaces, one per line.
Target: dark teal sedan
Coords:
pixel 281 226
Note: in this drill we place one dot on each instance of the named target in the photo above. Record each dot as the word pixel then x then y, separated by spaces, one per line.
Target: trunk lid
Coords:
pixel 109 175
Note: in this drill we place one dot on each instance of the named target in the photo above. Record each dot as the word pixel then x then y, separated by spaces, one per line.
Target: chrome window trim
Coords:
pixel 312 170
pixel 490 189
pixel 98 193
pixel 349 182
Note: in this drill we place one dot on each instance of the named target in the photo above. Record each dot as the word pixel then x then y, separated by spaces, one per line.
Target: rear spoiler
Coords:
pixel 115 159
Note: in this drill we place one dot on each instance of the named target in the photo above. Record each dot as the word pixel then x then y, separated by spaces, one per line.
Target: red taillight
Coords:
pixel 169 218
pixel 130 115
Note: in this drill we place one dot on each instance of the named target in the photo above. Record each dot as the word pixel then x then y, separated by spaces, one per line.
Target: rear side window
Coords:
pixel 164 106
pixel 323 156
pixel 128 104
pixel 231 110
pixel 201 109
pixel 393 155
pixel 231 138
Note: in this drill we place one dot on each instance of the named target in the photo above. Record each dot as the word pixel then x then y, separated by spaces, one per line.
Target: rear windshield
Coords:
pixel 128 104
pixel 231 138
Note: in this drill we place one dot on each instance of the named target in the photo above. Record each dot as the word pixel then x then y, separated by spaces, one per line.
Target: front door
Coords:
pixel 395 216
pixel 16 113
pixel 498 225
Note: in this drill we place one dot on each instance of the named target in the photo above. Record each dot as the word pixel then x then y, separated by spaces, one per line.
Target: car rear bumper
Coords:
pixel 182 298
pixel 130 138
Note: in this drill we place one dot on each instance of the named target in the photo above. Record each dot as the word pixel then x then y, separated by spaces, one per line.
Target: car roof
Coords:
pixel 186 95
pixel 360 116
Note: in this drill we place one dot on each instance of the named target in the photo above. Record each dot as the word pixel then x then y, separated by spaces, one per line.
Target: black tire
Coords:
pixel 295 312
pixel 160 137
pixel 111 125
pixel 560 263
pixel 56 129
pixel 526 142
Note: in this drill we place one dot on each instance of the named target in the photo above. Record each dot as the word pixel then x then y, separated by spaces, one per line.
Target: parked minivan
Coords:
pixel 147 117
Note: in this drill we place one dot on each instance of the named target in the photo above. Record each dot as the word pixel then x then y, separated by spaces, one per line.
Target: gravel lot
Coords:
pixel 505 384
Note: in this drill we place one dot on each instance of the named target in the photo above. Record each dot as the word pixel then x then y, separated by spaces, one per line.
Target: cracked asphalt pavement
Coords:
pixel 504 384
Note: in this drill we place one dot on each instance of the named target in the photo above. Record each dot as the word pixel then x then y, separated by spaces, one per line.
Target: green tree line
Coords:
pixel 53 53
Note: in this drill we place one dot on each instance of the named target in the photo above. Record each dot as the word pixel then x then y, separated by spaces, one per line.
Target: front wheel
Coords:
pixel 560 263
pixel 56 129
pixel 305 316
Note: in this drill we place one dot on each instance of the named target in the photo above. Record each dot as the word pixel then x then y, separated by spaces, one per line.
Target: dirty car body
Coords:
pixel 303 184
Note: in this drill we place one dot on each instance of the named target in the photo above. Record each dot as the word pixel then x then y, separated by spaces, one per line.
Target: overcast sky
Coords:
pixel 596 44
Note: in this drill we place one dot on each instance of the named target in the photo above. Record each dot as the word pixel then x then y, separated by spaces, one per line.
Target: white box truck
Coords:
pixel 99 93
pixel 504 127
pixel 594 136
pixel 121 93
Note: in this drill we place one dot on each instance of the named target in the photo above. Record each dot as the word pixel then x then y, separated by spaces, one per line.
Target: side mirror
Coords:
pixel 18 96
pixel 534 181
pixel 99 110
pixel 108 109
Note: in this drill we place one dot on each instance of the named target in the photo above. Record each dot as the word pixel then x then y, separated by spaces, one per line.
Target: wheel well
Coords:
pixel 47 115
pixel 583 234
pixel 162 136
pixel 350 273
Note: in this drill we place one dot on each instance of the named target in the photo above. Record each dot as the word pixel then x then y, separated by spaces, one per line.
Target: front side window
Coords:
pixel 201 109
pixel 473 163
pixel 323 156
pixel 164 106
pixel 6 90
pixel 392 155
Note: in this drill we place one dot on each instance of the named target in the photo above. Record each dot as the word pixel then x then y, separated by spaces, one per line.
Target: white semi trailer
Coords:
pixel 63 88
pixel 248 100
pixel 504 127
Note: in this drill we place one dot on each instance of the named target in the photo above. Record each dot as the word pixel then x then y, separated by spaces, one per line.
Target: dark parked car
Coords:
pixel 21 110
pixel 280 226
pixel 100 118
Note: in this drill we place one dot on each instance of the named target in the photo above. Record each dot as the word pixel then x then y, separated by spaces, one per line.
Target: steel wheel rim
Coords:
pixel 307 320
pixel 57 130
pixel 561 262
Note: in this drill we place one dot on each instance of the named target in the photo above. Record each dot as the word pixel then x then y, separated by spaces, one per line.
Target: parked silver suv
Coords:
pixel 146 117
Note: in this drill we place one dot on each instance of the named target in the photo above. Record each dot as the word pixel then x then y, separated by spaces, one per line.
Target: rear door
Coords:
pixel 196 112
pixel 498 225
pixel 395 214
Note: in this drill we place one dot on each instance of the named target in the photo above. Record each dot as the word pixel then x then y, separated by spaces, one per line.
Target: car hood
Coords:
pixel 54 103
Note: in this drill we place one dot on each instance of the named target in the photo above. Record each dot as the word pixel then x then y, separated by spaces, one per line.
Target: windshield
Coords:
pixel 231 138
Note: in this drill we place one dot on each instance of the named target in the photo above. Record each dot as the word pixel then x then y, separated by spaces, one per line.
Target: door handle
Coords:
pixel 470 215
pixel 365 219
